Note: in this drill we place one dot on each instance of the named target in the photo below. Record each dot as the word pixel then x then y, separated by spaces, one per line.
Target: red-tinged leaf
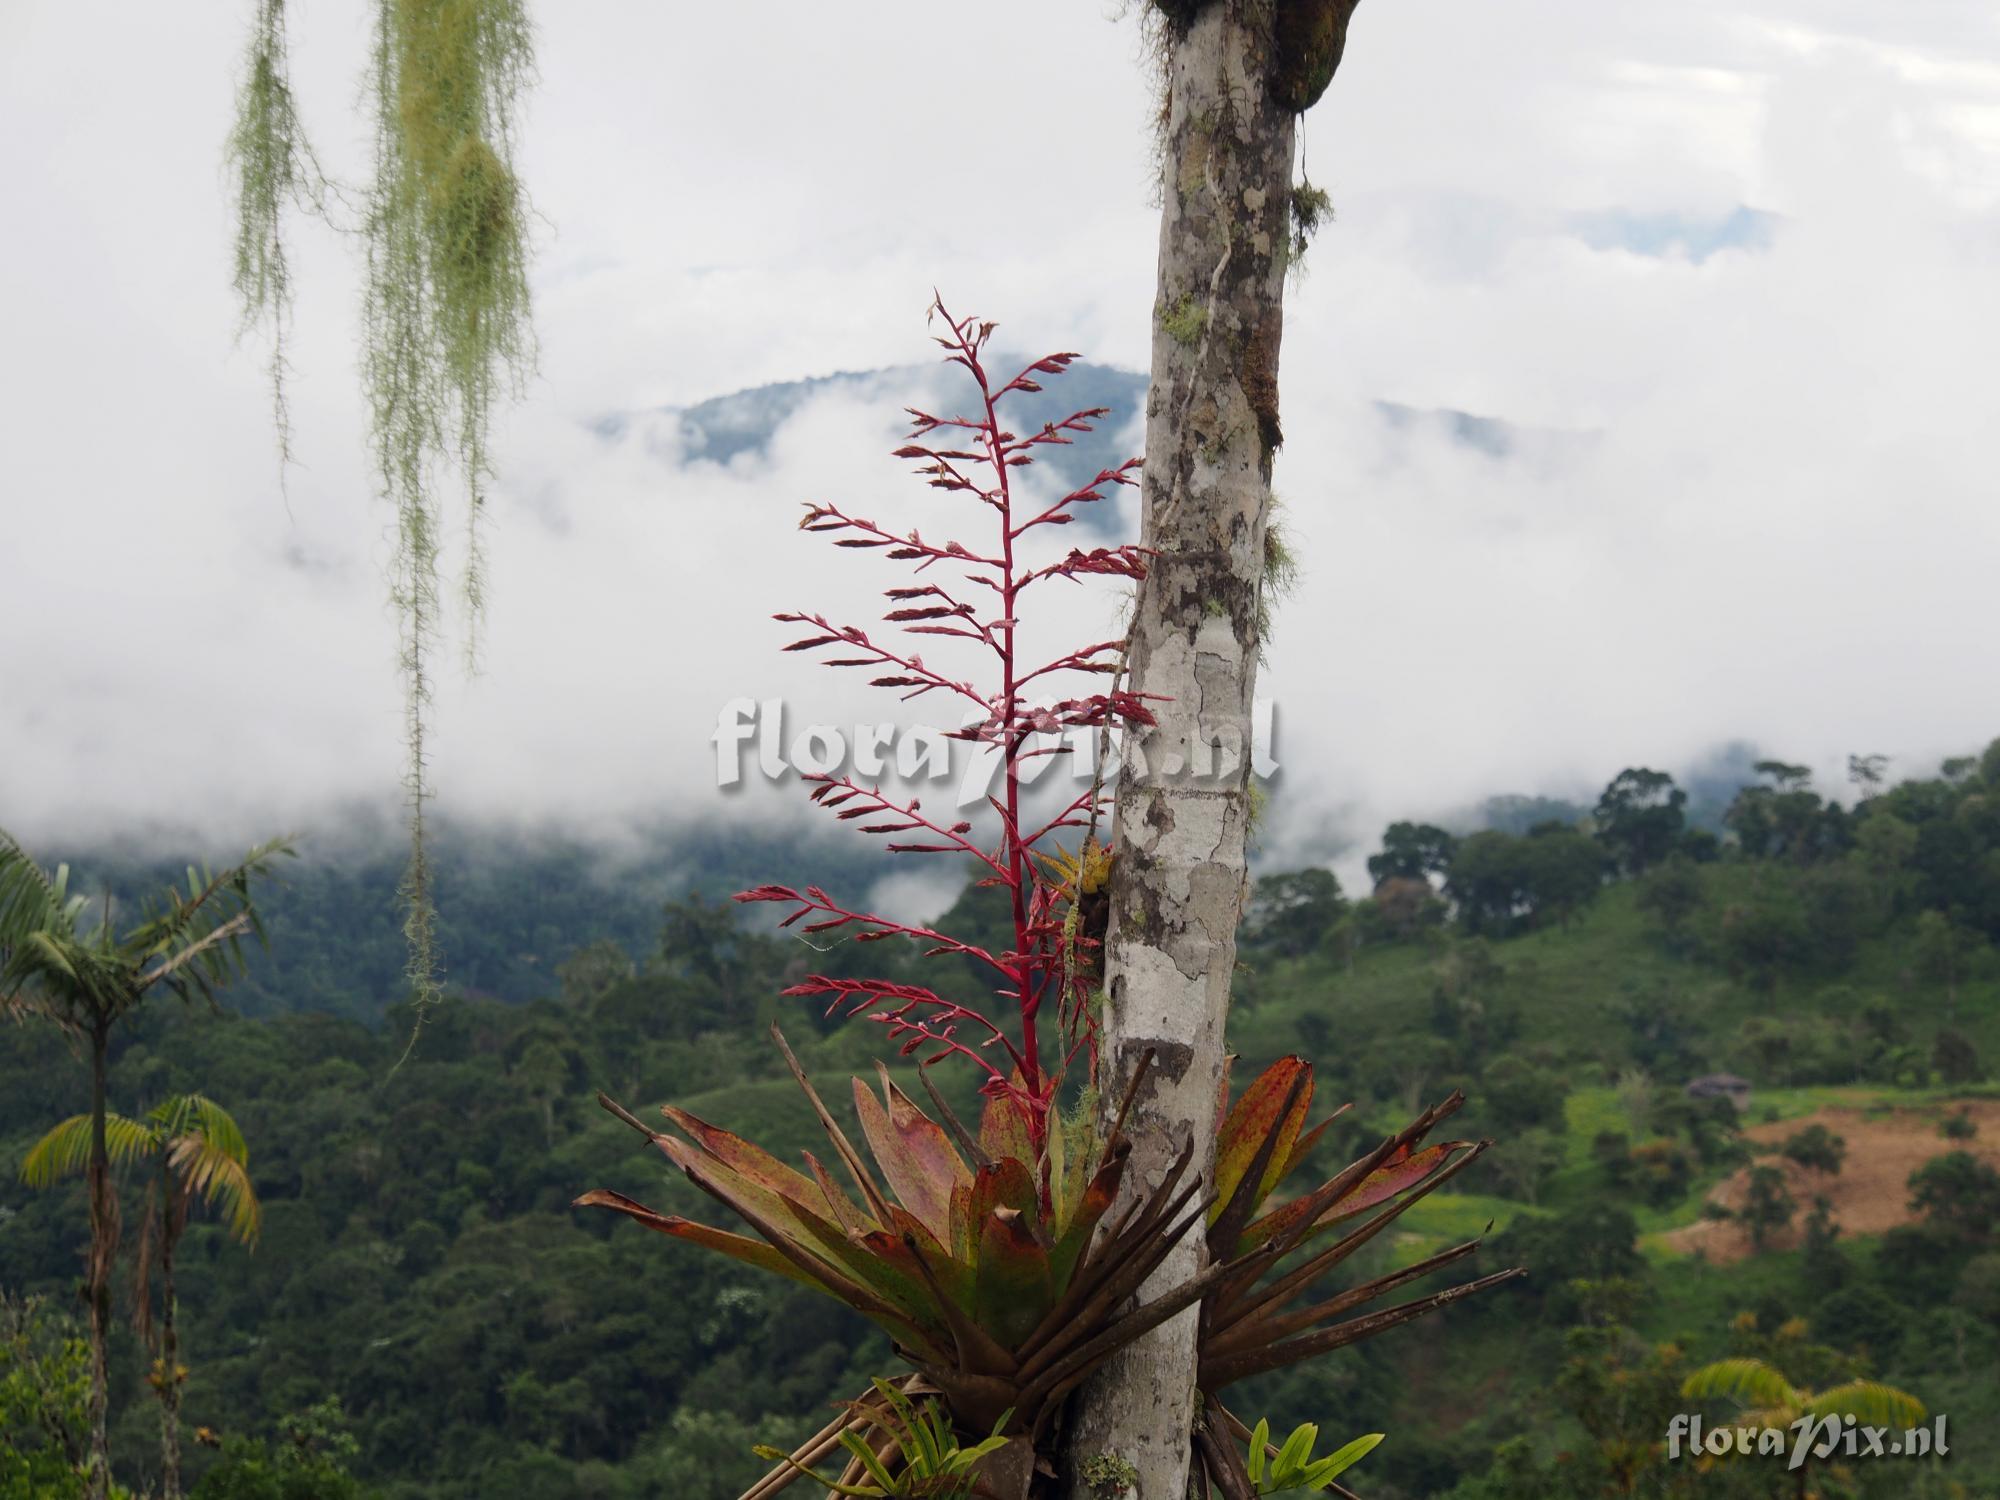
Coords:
pixel 1004 1132
pixel 809 644
pixel 1004 1182
pixel 1303 1146
pixel 953 1275
pixel 1377 1188
pixel 903 1262
pixel 849 1214
pixel 807 1234
pixel 767 893
pixel 921 1181
pixel 737 1247
pixel 891 1278
pixel 1074 1237
pixel 1012 1285
pixel 928 1142
pixel 1256 1115
pixel 1390 1179
pixel 963 1247
pixel 744 1157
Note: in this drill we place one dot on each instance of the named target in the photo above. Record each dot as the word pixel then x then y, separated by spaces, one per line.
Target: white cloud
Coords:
pixel 1781 527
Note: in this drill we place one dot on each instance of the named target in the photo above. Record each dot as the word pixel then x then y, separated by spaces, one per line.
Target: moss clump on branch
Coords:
pixel 1107 1475
pixel 1180 14
pixel 1311 36
pixel 1311 207
pixel 1184 319
pixel 1260 383
pixel 1281 573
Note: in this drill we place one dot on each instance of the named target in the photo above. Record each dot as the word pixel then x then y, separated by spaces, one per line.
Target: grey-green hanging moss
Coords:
pixel 446 314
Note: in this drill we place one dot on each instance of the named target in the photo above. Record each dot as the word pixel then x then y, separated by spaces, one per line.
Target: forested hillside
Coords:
pixel 420 1266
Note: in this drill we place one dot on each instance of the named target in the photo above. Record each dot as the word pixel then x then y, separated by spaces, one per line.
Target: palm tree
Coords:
pixel 197 1152
pixel 1770 1401
pixel 86 976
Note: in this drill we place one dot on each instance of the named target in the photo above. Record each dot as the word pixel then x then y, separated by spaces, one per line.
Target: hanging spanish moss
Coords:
pixel 446 313
pixel 447 317
pixel 275 170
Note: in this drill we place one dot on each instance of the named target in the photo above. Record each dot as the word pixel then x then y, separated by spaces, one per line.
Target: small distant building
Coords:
pixel 1721 1086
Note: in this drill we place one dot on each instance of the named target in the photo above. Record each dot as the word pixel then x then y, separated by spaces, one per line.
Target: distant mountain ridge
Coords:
pixel 742 425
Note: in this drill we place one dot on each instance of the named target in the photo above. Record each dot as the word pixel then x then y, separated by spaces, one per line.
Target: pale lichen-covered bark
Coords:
pixel 1183 804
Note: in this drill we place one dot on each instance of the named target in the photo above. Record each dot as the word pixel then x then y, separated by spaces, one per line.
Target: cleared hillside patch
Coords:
pixel 1885 1144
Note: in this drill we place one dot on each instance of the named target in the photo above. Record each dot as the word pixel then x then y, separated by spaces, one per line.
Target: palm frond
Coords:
pixel 1748 1382
pixel 209 1155
pixel 1870 1403
pixel 31 900
pixel 65 1150
pixel 193 943
pixel 214 1174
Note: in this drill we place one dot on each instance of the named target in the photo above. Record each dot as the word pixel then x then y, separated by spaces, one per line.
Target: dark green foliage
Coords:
pixel 1823 1266
pixel 1291 913
pixel 1501 881
pixel 306 1459
pixel 1640 818
pixel 1816 1147
pixel 1519 1095
pixel 1597 1242
pixel 1412 851
pixel 1959 1195
pixel 1768 1205
pixel 44 1402
pixel 1863 1318
pixel 1487 881
pixel 1672 894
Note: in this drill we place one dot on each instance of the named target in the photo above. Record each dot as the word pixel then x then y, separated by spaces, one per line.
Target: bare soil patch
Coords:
pixel 1871 1193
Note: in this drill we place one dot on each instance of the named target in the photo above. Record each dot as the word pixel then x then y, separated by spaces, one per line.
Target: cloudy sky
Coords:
pixel 1732 270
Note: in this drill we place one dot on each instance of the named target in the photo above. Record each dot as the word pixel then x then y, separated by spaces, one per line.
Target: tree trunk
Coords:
pixel 103 1246
pixel 1183 805
pixel 170 1343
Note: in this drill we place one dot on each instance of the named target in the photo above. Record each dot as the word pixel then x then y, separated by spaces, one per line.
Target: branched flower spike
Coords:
pixel 972 592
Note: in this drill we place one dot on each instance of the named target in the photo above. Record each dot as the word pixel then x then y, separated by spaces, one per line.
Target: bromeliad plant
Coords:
pixel 1003 1261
